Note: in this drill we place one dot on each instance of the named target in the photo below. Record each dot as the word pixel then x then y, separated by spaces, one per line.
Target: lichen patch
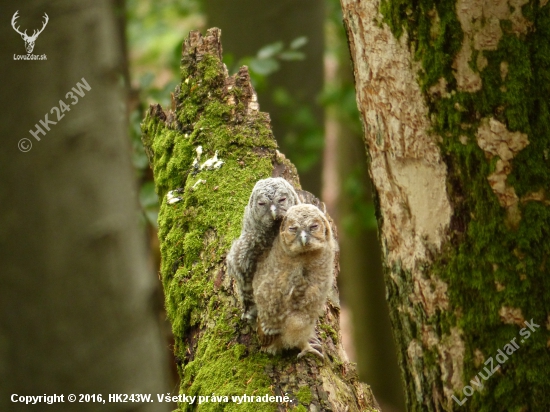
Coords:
pixel 467 80
pixel 496 140
pixel 520 25
pixel 429 336
pixel 511 315
pixel 451 350
pixel 481 23
pixel 440 88
pixel 538 196
pixel 488 37
pixel 481 61
pixel 431 293
pixel 506 194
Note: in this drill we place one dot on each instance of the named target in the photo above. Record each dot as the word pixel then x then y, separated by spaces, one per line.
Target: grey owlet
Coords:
pixel 293 280
pixel 268 203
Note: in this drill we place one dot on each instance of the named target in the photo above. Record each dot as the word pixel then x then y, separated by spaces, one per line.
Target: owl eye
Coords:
pixel 281 200
pixel 313 227
pixel 292 229
pixel 261 203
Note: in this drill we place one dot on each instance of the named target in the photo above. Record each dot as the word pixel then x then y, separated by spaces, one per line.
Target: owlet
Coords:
pixel 268 203
pixel 293 280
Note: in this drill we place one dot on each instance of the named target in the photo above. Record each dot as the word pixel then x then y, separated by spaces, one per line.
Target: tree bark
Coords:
pixel 76 295
pixel 218 353
pixel 455 104
pixel 363 284
pixel 348 195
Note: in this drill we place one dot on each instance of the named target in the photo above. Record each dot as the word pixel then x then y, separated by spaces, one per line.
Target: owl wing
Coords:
pixel 241 262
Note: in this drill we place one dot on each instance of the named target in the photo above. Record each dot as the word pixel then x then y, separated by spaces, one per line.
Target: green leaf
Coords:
pixel 292 55
pixel 298 42
pixel 270 50
pixel 264 66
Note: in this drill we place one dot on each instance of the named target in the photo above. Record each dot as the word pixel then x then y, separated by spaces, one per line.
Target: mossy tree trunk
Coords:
pixel 455 102
pixel 217 353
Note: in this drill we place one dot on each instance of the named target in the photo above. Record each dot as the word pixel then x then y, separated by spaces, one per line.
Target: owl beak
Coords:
pixel 303 238
pixel 274 212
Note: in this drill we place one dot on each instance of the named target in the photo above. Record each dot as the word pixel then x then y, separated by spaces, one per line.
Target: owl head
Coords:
pixel 304 229
pixel 270 200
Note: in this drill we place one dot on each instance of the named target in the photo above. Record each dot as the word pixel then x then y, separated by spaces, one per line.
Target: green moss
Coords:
pixel 219 368
pixel 329 331
pixel 239 351
pixel 304 395
pixel 485 248
pixel 197 231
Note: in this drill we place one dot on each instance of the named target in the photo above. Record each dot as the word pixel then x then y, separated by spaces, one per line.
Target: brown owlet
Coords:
pixel 268 203
pixel 292 281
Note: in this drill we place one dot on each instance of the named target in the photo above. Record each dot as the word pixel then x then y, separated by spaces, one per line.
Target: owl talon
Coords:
pixel 310 349
pixel 316 346
pixel 315 340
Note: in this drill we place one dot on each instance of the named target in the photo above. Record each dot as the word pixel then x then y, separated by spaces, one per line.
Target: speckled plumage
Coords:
pixel 292 281
pixel 268 203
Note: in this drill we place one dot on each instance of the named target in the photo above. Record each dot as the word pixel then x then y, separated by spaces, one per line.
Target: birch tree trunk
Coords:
pixel 218 353
pixel 454 98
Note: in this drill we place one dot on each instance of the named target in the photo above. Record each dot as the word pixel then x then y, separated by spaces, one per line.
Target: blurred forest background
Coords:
pixel 299 62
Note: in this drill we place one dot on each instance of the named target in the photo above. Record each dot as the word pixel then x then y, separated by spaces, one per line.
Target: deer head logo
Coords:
pixel 29 40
